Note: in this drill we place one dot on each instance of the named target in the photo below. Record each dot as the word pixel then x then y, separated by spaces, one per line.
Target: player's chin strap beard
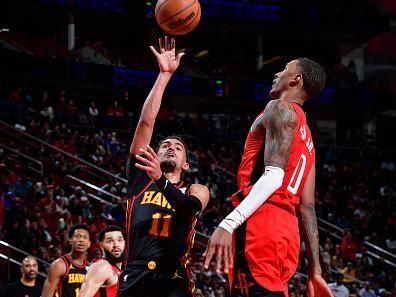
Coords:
pixel 168 166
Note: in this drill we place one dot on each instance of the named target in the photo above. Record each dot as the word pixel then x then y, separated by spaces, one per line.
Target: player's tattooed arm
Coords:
pixel 279 121
pixel 308 223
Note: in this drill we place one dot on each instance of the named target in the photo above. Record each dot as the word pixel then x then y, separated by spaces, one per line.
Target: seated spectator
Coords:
pixel 338 288
pixel 349 273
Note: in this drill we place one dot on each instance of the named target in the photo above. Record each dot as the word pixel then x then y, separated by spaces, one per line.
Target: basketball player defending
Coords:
pixel 161 209
pixel 102 277
pixel 265 236
pixel 67 273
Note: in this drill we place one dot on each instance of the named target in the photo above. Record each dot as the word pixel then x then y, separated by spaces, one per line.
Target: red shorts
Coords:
pixel 271 246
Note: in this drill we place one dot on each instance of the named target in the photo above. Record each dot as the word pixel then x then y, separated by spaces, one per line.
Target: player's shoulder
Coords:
pixel 59 266
pixel 101 263
pixel 279 113
pixel 102 266
pixel 279 104
pixel 201 192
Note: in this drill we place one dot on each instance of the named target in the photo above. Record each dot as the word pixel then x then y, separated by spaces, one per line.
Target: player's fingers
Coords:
pixel 161 45
pixel 226 260
pixel 230 257
pixel 179 56
pixel 147 154
pixel 141 167
pixel 154 51
pixel 209 254
pixel 310 291
pixel 166 43
pixel 219 258
pixel 173 43
pixel 151 151
pixel 146 161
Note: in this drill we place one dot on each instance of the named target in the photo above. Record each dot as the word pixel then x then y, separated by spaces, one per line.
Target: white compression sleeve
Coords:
pixel 268 183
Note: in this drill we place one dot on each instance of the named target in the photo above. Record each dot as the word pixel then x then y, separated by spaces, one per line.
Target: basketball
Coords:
pixel 178 17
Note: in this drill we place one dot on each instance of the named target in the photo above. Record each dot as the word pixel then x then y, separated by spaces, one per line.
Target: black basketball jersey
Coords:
pixel 155 231
pixel 71 283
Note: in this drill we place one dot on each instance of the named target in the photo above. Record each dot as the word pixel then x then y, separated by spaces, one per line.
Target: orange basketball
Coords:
pixel 178 17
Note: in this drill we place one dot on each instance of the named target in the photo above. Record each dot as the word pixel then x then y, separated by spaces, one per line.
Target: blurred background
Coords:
pixel 73 77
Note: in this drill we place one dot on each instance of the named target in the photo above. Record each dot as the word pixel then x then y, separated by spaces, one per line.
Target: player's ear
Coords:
pixel 186 166
pixel 296 79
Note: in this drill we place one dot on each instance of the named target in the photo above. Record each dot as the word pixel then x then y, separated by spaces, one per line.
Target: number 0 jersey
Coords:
pixel 267 245
pixel 155 231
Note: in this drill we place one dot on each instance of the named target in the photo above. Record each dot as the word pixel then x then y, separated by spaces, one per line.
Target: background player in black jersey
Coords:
pixel 67 273
pixel 161 210
pixel 102 277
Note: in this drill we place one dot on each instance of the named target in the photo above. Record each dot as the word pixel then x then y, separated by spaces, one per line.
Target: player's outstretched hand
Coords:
pixel 220 244
pixel 150 162
pixel 317 287
pixel 167 59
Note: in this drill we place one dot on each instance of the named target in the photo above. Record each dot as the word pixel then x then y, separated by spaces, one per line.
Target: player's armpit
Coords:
pixel 280 122
pixel 97 275
pixel 55 273
pixel 308 223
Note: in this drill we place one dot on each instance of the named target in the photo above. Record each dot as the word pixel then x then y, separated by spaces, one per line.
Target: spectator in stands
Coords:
pixel 349 247
pixel 46 109
pixel 93 112
pixel 16 96
pixel 28 285
pixel 115 110
pixel 338 288
pixel 349 273
pixel 366 291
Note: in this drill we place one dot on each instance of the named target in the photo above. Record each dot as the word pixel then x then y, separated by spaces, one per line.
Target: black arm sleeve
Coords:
pixel 179 201
pixel 137 179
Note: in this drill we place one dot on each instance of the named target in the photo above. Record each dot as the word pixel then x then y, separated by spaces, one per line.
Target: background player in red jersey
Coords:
pixel 67 273
pixel 161 209
pixel 102 276
pixel 266 238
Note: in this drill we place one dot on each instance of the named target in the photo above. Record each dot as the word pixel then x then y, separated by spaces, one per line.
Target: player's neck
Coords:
pixel 293 96
pixel 173 177
pixel 77 257
pixel 28 282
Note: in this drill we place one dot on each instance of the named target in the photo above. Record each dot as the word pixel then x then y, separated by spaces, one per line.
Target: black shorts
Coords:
pixel 151 279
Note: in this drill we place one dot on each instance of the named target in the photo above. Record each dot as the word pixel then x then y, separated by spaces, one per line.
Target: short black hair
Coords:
pixel 110 228
pixel 79 226
pixel 314 76
pixel 177 138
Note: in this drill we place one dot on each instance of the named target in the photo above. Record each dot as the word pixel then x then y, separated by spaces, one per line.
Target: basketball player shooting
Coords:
pixel 259 242
pixel 161 209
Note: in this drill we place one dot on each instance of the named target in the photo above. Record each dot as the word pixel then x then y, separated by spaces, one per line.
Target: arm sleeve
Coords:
pixel 184 203
pixel 268 183
pixel 137 179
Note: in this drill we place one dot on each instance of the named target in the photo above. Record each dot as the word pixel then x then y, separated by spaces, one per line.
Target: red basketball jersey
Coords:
pixel 301 159
pixel 110 290
pixel 271 240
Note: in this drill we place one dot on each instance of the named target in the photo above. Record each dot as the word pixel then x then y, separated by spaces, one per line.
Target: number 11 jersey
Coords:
pixel 155 231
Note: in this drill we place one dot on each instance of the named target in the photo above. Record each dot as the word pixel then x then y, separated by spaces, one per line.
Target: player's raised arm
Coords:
pixel 317 287
pixel 278 122
pixel 168 62
pixel 55 273
pixel 97 276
